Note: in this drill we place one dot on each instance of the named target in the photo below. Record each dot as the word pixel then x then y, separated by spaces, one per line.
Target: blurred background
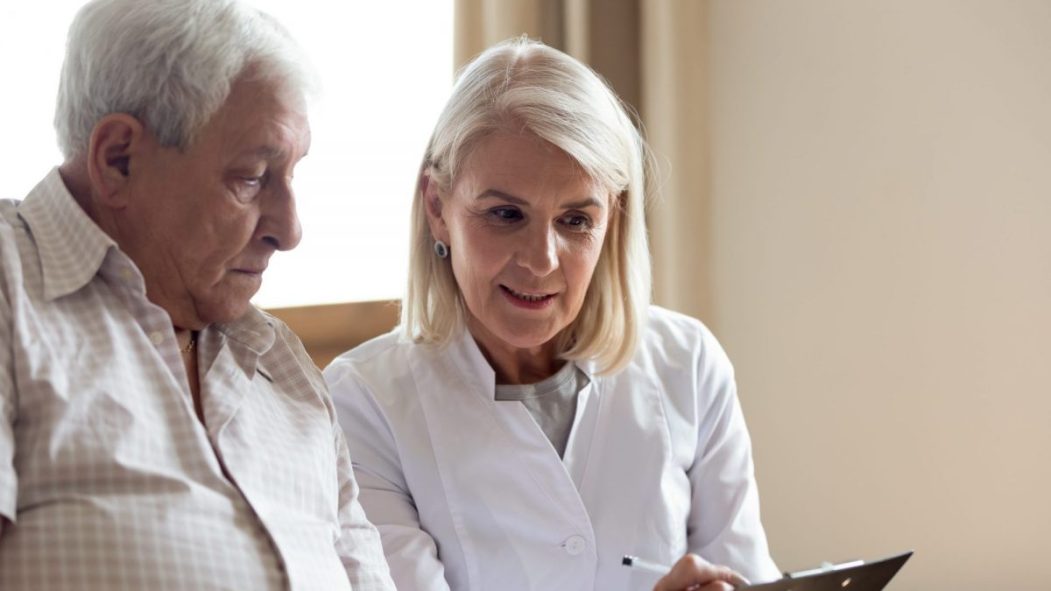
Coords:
pixel 856 197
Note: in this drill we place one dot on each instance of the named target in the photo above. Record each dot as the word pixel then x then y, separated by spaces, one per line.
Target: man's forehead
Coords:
pixel 274 138
pixel 268 128
pixel 273 152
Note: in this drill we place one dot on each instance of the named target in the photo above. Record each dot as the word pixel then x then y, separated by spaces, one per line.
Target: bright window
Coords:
pixel 386 69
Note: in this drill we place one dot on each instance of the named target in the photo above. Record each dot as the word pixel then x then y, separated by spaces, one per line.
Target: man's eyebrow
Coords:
pixel 266 152
pixel 498 194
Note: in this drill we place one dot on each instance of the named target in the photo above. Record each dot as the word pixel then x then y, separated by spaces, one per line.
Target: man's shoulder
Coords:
pixel 12 245
pixel 9 213
pixel 10 224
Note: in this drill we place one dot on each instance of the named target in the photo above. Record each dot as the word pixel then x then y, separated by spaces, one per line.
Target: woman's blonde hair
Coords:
pixel 524 85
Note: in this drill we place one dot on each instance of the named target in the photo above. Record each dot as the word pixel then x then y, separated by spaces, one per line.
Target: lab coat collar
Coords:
pixel 471 362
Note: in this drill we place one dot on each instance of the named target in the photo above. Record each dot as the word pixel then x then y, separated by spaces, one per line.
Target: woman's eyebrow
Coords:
pixel 498 194
pixel 585 203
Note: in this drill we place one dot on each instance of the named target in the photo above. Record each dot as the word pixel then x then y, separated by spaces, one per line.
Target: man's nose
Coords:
pixel 280 222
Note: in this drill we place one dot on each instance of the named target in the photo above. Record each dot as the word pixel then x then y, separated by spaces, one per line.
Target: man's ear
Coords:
pixel 432 203
pixel 115 141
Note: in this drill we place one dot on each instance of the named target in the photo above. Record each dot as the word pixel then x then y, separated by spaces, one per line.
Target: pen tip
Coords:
pixel 627 560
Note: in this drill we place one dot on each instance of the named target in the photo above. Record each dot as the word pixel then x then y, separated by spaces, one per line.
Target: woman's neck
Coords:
pixel 516 365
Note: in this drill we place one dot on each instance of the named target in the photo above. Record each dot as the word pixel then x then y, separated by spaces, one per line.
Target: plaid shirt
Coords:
pixel 109 478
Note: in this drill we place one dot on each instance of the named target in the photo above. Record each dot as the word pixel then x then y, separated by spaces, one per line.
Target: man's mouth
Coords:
pixel 252 269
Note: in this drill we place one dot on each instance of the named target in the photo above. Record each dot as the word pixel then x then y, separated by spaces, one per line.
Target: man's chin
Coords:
pixel 223 312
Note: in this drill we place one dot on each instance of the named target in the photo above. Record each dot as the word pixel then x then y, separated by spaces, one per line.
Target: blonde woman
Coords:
pixel 534 418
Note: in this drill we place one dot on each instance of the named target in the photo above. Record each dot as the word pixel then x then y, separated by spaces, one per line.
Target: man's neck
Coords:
pixel 75 177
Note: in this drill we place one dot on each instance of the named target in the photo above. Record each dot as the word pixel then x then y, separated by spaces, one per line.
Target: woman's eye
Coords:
pixel 505 214
pixel 577 222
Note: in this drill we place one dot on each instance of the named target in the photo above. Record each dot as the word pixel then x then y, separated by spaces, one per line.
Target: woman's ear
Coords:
pixel 115 141
pixel 433 204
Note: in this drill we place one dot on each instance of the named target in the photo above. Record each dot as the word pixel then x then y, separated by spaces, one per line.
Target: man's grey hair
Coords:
pixel 169 63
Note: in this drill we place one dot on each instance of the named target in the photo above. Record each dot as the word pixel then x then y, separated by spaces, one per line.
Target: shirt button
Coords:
pixel 156 338
pixel 574 545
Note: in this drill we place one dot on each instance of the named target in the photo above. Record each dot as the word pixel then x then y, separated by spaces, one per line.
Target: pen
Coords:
pixel 735 579
pixel 646 565
pixel 825 568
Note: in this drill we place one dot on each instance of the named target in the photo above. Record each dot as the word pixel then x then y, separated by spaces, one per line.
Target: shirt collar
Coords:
pixel 250 337
pixel 71 246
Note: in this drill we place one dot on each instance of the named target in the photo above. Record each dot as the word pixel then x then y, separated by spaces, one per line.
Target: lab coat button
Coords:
pixel 574 545
pixel 156 338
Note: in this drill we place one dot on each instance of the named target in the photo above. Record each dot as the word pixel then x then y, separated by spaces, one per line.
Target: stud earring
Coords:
pixel 441 249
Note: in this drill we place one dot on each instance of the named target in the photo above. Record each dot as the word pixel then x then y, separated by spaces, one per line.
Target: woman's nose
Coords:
pixel 538 251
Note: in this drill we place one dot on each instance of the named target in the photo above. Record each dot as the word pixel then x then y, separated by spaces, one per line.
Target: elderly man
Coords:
pixel 156 430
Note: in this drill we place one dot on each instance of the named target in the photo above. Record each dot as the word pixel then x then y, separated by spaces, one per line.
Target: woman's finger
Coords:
pixel 694 572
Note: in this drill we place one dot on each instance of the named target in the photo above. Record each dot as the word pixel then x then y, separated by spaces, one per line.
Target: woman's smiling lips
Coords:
pixel 528 301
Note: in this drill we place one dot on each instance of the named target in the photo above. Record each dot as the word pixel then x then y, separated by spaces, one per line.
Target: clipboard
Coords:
pixel 848 576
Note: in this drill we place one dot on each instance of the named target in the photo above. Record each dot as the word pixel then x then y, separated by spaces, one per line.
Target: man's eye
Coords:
pixel 246 187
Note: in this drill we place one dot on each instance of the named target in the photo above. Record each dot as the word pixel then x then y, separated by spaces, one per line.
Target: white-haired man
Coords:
pixel 156 430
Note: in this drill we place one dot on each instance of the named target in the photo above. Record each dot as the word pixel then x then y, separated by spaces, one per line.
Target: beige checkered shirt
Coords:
pixel 109 478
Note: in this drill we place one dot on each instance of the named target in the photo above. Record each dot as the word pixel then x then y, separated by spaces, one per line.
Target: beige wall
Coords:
pixel 881 275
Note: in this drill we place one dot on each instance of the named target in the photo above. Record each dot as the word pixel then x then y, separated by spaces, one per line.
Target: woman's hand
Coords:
pixel 694 573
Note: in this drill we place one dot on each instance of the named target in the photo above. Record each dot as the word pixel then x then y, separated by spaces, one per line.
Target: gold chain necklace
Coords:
pixel 192 344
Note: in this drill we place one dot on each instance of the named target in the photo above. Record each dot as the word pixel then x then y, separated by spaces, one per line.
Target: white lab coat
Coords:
pixel 469 494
